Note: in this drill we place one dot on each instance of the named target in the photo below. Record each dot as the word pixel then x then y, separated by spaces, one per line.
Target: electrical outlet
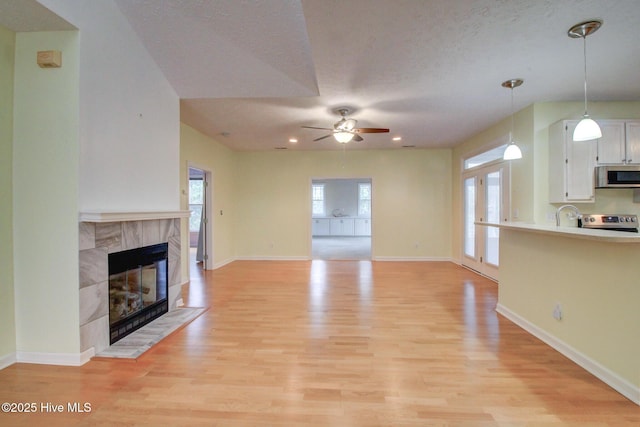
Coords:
pixel 557 312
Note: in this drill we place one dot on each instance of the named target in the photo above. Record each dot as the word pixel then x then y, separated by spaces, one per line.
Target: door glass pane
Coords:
pixel 196 199
pixel 493 214
pixel 470 217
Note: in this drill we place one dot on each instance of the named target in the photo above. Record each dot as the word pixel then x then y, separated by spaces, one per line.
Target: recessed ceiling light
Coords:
pixel 396 138
pixel 293 140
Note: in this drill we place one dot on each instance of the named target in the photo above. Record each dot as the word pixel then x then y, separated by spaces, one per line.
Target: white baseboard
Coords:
pixel 63 359
pixel 7 360
pixel 621 385
pixel 416 259
pixel 272 258
pixel 217 265
pixel 305 258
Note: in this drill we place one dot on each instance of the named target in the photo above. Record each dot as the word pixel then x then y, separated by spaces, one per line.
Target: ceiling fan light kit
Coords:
pixel 587 129
pixel 512 152
pixel 343 136
pixel 344 130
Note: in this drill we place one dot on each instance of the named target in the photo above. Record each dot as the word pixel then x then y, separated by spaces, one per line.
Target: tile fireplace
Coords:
pixel 101 238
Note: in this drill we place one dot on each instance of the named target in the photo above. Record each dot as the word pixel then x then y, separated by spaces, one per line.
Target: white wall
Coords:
pixel 199 150
pixel 45 195
pixel 100 133
pixel 266 198
pixel 411 200
pixel 129 115
pixel 7 309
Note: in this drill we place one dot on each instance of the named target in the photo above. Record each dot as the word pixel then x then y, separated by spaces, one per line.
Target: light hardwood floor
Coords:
pixel 331 343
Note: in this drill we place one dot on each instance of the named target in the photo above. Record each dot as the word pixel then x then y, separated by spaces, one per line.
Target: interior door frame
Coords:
pixel 207 211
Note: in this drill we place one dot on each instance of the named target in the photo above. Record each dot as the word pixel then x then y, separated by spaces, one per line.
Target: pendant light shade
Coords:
pixel 587 128
pixel 343 137
pixel 512 152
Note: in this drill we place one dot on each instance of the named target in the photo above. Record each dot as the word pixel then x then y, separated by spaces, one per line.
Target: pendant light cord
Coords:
pixel 584 38
pixel 512 136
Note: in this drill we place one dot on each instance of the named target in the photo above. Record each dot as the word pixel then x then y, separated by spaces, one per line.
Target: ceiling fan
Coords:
pixel 345 130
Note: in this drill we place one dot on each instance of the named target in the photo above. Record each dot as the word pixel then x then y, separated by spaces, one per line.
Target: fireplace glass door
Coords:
pixel 137 288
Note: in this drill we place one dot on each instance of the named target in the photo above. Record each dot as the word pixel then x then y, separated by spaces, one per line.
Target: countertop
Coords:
pixel 574 232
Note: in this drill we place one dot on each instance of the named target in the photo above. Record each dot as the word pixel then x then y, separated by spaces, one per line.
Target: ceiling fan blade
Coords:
pixel 322 137
pixel 313 127
pixel 357 138
pixel 370 130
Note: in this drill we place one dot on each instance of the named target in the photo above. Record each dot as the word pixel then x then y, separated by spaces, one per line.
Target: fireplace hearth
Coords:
pixel 138 288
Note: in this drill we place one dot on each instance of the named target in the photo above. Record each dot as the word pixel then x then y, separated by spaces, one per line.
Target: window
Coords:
pixel 364 199
pixel 317 196
pixel 196 198
pixel 486 157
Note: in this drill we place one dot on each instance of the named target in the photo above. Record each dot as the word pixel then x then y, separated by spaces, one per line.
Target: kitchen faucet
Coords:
pixel 576 213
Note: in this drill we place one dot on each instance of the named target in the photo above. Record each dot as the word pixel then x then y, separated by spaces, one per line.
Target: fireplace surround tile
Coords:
pixel 174 260
pixel 109 235
pixel 87 236
pixel 93 266
pixel 166 229
pixel 95 334
pixel 151 233
pixel 93 302
pixel 131 235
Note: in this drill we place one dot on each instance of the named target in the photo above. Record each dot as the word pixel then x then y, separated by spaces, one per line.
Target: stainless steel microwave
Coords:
pixel 618 177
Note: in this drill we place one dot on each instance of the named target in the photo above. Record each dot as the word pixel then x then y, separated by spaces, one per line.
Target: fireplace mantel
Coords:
pixel 112 216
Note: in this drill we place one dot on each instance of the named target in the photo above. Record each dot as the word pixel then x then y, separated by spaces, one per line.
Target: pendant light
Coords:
pixel 587 128
pixel 512 152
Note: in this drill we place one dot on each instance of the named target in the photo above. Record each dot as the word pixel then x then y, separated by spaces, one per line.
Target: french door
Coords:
pixel 485 198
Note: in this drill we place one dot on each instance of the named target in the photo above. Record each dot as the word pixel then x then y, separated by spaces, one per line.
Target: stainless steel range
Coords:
pixel 616 222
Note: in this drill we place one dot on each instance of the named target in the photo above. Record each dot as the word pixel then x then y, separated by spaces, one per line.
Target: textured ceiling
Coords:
pixel 250 73
pixel 29 15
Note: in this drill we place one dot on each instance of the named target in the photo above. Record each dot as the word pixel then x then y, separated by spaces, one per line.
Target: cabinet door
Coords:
pixel 320 227
pixel 336 227
pixel 580 164
pixel 342 227
pixel 611 147
pixel 348 227
pixel 362 227
pixel 633 142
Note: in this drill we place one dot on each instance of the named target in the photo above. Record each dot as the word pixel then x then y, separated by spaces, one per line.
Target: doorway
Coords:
pixel 485 192
pixel 341 218
pixel 199 226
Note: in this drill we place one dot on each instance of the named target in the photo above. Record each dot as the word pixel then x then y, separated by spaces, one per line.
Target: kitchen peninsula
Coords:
pixel 577 290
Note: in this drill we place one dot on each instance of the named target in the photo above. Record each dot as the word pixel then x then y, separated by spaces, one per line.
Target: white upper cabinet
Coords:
pixel 620 142
pixel 633 142
pixel 571 165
